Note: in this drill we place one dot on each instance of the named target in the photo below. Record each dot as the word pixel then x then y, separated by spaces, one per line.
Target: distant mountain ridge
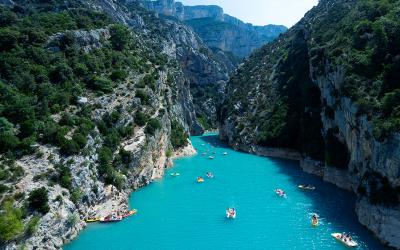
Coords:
pixel 217 29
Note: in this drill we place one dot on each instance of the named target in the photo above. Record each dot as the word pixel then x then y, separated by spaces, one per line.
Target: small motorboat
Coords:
pixel 211 157
pixel 231 213
pixel 204 153
pixel 111 218
pixel 210 175
pixel 129 213
pixel 224 153
pixel 306 187
pixel 90 220
pixel 345 239
pixel 175 174
pixel 200 180
pixel 280 192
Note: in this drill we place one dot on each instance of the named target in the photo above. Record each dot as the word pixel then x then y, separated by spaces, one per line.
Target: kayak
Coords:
pixel 314 223
pixel 175 174
pixel 92 220
pixel 129 213
pixel 306 187
pixel 348 242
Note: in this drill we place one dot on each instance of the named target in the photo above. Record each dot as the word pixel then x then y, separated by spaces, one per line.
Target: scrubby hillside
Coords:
pixel 328 89
pixel 93 102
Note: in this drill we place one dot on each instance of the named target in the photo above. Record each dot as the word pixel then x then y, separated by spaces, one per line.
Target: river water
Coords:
pixel 179 213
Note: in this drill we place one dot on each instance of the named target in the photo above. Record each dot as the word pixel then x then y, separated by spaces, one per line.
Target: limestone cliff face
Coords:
pixel 289 96
pixel 146 153
pixel 217 29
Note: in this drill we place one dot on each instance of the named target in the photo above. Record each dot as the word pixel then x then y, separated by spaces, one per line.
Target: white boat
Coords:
pixel 211 157
pixel 175 174
pixel 225 153
pixel 347 240
pixel 231 213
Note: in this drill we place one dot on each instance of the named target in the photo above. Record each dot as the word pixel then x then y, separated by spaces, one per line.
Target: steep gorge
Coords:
pixel 228 39
pixel 96 95
pixel 325 93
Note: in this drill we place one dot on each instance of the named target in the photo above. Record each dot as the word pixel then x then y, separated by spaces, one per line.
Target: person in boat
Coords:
pixel 314 218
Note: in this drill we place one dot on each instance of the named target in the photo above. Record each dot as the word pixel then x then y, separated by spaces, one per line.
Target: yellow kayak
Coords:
pixel 92 220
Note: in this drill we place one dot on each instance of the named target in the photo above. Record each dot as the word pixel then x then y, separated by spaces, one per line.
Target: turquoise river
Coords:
pixel 179 213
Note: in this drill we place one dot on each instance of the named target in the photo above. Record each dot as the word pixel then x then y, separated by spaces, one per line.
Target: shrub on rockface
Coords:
pixel 11 225
pixel 141 119
pixel 178 135
pixel 152 126
pixel 38 200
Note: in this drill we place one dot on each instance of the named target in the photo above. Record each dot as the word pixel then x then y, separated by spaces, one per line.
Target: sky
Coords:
pixel 261 12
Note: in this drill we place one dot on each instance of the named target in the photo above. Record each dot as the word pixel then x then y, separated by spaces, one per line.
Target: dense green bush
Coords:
pixel 141 119
pixel 144 98
pixel 152 126
pixel 32 225
pixel 38 200
pixel 120 36
pixel 64 177
pixel 118 75
pixel 179 138
pixel 69 147
pixel 101 84
pixel 11 226
pixel 149 80
pixel 76 195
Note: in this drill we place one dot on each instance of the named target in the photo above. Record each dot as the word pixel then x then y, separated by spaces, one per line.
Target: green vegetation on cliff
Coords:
pixel 274 95
pixel 362 38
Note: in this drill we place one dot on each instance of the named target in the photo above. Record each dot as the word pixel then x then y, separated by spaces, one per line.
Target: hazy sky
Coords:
pixel 261 12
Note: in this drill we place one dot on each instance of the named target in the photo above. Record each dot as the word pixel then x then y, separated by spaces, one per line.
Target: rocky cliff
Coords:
pixel 216 29
pixel 100 118
pixel 220 42
pixel 327 90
